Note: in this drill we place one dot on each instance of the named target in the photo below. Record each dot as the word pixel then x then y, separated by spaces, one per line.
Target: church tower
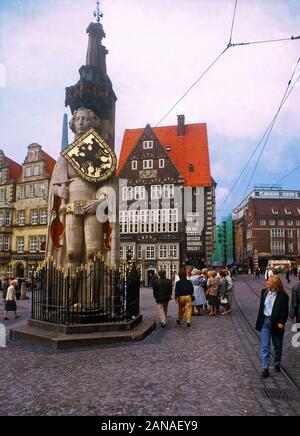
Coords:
pixel 94 89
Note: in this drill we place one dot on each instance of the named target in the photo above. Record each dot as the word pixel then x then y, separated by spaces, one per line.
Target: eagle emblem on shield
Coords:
pixel 91 157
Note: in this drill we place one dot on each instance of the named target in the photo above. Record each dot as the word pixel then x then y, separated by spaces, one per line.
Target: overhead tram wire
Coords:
pixel 206 71
pixel 262 138
pixel 287 93
pixel 266 41
pixel 281 179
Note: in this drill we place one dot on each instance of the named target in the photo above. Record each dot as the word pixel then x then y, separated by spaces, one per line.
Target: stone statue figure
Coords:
pixel 76 235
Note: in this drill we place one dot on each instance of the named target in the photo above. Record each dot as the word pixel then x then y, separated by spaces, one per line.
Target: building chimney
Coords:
pixel 180 125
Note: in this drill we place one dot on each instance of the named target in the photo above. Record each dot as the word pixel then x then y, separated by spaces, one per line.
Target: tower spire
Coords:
pixel 97 13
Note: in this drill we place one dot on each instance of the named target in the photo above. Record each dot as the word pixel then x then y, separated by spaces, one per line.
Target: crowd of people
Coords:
pixel 200 290
pixel 195 291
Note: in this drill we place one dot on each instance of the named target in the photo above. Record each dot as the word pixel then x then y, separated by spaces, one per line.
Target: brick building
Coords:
pixel 267 227
pixel 167 197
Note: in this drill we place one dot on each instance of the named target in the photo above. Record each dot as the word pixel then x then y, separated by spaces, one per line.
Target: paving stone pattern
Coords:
pixel 211 368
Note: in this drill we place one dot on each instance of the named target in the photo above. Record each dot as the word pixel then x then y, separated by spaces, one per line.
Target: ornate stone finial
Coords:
pixel 98 14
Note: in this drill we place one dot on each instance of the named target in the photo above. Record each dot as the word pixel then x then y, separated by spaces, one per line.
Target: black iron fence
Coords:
pixel 95 293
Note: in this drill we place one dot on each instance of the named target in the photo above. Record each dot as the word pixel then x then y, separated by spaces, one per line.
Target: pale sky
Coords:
pixel 157 49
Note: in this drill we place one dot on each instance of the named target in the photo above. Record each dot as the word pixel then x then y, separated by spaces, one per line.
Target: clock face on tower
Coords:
pixel 91 157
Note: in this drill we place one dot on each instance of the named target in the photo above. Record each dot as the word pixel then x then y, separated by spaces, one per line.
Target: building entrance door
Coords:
pixel 20 270
pixel 150 275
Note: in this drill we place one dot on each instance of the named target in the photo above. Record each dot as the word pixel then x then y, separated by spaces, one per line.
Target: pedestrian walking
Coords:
pixel 257 273
pixel 10 300
pixel 287 274
pixel 183 294
pixel 295 303
pixel 212 292
pixel 198 284
pixel 223 292
pixel 162 292
pixel 269 273
pixel 271 320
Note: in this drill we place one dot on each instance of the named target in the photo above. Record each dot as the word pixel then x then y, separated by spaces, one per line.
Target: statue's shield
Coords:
pixel 91 157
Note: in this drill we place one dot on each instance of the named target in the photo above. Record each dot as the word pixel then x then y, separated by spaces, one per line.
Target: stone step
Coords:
pixel 60 341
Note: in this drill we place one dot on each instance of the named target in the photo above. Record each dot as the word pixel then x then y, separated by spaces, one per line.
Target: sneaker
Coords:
pixel 178 322
pixel 163 325
pixel 265 373
pixel 5 319
pixel 188 324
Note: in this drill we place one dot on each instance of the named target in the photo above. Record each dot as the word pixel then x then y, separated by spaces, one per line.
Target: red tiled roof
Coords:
pixel 190 149
pixel 15 170
pixel 50 162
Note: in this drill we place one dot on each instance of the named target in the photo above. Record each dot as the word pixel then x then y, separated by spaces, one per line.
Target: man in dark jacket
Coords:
pixel 295 303
pixel 162 292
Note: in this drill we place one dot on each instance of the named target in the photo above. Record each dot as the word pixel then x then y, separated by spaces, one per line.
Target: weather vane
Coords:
pixel 98 14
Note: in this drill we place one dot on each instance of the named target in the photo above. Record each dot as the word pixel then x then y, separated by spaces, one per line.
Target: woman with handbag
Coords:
pixel 10 300
pixel 184 295
pixel 212 292
pixel 271 320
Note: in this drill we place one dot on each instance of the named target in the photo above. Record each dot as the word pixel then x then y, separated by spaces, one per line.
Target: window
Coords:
pixel 20 244
pixel 130 254
pixel 262 222
pixel 271 222
pixel 163 251
pixel 156 192
pixel 31 191
pixel 148 145
pixel 2 194
pixel 4 243
pixel 290 222
pixel 148 164
pixel 140 252
pixel 22 191
pixel 298 223
pixel 191 168
pixel 139 193
pixel 34 217
pixel 277 233
pixel 124 222
pixel 277 247
pixel 9 272
pixel 168 191
pixel 280 222
pixel 21 218
pixel 41 190
pixel 127 193
pixel 123 252
pixel 133 221
pixel 290 247
pixel 161 163
pixel 290 233
pixel 274 211
pixel 28 172
pixel 33 244
pixel 36 171
pixel 7 219
pixel 150 253
pixel 173 252
pixel 43 216
pixel 42 243
pixel 134 165
pixel 287 211
pixel 2 218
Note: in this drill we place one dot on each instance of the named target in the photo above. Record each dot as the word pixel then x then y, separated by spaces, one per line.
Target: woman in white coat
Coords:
pixel 199 293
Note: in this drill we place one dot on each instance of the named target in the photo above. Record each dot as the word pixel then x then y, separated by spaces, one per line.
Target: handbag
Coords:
pixel 224 300
pixel 193 298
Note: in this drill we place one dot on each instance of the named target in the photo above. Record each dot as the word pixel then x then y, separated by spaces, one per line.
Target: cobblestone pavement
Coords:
pixel 211 368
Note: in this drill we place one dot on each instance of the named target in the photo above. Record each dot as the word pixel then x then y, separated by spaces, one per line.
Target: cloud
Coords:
pixel 221 193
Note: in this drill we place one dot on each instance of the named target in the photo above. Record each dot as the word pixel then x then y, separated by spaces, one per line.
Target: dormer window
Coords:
pixel 134 165
pixel 274 211
pixel 36 171
pixel 191 168
pixel 148 145
pixel 298 210
pixel 28 172
pixel 287 211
